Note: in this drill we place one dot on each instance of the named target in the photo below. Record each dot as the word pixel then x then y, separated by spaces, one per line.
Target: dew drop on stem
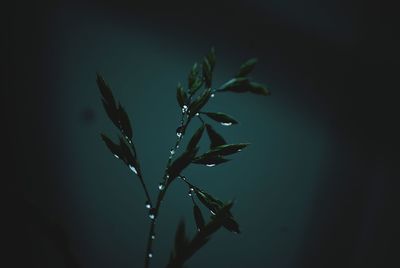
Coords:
pixel 148 205
pixel 161 186
pixel 133 169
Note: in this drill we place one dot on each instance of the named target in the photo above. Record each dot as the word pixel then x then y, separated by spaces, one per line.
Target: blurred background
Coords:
pixel 317 187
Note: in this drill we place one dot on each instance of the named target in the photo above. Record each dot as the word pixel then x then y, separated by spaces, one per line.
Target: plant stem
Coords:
pixel 161 194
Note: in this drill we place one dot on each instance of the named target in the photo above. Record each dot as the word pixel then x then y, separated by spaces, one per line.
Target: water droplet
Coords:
pixel 197 114
pixel 184 109
pixel 212 95
pixel 179 131
pixel 150 255
pixel 177 146
pixel 172 151
pixel 226 123
pixel 153 237
pixel 210 165
pixel 212 212
pixel 198 229
pixel 167 176
pixel 190 193
pixel 152 216
pixel 116 156
pixel 133 169
pixel 161 186
pixel 148 205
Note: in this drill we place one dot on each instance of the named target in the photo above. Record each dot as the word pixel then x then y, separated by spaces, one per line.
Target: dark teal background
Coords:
pixel 313 190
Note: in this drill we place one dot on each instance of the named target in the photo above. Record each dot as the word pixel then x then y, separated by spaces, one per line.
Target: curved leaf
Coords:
pixel 125 125
pixel 200 101
pixel 224 119
pixel 258 88
pixel 198 217
pixel 195 139
pixel 247 67
pixel 181 95
pixel 215 138
pixel 114 148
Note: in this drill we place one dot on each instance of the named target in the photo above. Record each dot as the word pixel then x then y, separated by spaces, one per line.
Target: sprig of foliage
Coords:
pixel 192 102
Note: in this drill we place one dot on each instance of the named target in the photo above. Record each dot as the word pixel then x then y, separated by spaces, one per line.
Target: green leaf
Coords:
pixel 125 125
pixel 208 200
pixel 194 81
pixel 198 217
pixel 114 148
pixel 181 96
pixel 180 164
pixel 207 72
pixel 215 138
pixel 127 155
pixel 112 113
pixel 258 88
pixel 181 240
pixel 243 84
pixel 224 119
pixel 209 160
pixel 231 225
pixel 105 91
pixel 227 149
pixel 211 58
pixel 199 103
pixel 195 139
pixel 247 67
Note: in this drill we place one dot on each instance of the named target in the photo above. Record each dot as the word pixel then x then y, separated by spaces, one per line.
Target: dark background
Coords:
pixel 316 189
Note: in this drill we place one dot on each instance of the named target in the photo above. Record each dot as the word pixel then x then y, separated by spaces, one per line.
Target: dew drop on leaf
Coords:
pixel 210 165
pixel 212 95
pixel 226 124
pixel 116 156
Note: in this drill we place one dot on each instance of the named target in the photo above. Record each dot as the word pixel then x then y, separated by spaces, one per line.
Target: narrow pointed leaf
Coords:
pixel 210 160
pixel 194 81
pixel 227 149
pixel 215 138
pixel 231 225
pixel 114 148
pixel 222 118
pixel 247 67
pixel 181 95
pixel 208 200
pixel 238 85
pixel 105 91
pixel 125 125
pixel 112 113
pixel 258 88
pixel 181 240
pixel 211 58
pixel 207 72
pixel 200 101
pixel 181 163
pixel 127 155
pixel 195 139
pixel 198 216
